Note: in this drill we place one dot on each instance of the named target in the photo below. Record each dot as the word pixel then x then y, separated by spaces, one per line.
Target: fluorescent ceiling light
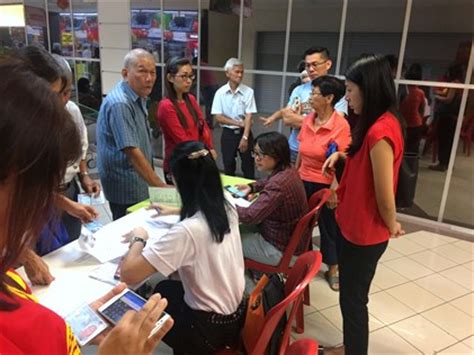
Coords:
pixel 12 15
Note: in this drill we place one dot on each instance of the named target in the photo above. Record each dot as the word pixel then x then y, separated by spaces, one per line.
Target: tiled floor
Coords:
pixel 421 299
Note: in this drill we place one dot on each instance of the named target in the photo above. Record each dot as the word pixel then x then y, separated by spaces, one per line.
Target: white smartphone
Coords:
pixel 114 309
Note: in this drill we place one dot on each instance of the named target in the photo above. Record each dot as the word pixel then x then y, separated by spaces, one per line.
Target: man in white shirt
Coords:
pixel 232 107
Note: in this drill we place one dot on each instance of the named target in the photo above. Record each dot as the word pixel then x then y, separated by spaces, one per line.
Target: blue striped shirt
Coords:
pixel 123 122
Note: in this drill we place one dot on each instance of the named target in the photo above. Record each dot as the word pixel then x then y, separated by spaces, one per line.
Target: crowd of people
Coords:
pixel 201 258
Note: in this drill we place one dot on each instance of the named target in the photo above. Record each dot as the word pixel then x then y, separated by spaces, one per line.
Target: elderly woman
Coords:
pixel 323 132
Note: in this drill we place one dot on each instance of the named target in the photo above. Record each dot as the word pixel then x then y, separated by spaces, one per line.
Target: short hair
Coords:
pixel 414 72
pixel 232 62
pixel 40 62
pixel 275 145
pixel 65 70
pixel 314 49
pixel 132 57
pixel 330 85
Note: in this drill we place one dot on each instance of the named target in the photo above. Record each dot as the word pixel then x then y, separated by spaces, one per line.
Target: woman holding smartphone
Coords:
pixel 366 212
pixel 203 249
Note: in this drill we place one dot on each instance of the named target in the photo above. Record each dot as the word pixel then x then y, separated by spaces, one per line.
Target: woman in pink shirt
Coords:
pixel 179 115
pixel 323 132
pixel 366 213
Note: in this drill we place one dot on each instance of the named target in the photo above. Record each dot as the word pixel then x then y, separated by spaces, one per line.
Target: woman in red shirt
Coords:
pixel 179 115
pixel 366 212
pixel 323 132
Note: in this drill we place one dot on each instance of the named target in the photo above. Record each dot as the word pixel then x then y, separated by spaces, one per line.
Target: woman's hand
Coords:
pixel 396 231
pixel 139 232
pixel 85 213
pixel 332 200
pixel 329 166
pixel 131 334
pixel 163 210
pixel 267 121
pixel 36 269
pixel 213 154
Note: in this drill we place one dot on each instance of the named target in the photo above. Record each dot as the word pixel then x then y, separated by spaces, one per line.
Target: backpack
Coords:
pixel 269 292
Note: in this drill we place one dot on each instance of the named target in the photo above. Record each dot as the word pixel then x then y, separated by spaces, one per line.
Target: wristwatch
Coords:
pixel 137 239
pixel 245 138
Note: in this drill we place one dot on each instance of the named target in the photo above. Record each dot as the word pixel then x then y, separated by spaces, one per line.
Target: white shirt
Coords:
pixel 76 116
pixel 233 105
pixel 212 273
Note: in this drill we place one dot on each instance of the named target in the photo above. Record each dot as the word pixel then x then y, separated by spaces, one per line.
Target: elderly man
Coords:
pixel 232 107
pixel 123 136
pixel 317 63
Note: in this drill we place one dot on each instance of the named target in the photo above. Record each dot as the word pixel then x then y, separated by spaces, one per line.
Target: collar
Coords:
pixel 329 125
pixel 129 91
pixel 228 89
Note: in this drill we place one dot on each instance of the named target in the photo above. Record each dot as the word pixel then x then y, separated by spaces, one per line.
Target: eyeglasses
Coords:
pixel 257 155
pixel 186 76
pixel 315 93
pixel 314 65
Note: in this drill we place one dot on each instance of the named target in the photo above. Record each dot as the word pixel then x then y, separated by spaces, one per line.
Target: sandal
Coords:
pixel 333 281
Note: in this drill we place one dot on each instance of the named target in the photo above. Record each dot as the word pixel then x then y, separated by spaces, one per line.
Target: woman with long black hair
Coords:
pixel 204 249
pixel 179 115
pixel 366 212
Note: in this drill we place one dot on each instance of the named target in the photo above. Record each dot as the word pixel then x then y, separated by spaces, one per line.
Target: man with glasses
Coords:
pixel 317 63
pixel 232 107
pixel 124 155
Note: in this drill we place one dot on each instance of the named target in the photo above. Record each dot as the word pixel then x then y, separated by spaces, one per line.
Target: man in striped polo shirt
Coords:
pixel 124 154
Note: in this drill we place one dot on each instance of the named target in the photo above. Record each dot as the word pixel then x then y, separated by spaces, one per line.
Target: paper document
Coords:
pixel 85 324
pixel 105 273
pixel 87 199
pixel 164 195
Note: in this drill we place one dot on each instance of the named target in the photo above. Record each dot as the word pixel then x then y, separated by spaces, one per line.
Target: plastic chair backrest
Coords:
pixel 306 267
pixel 304 228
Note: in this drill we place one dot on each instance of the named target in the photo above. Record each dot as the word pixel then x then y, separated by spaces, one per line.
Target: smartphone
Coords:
pixel 235 192
pixel 114 309
pixel 117 270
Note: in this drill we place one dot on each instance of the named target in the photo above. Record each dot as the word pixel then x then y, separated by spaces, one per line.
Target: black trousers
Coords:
pixel 198 332
pixel 446 129
pixel 327 226
pixel 413 139
pixel 72 224
pixel 118 210
pixel 357 265
pixel 230 140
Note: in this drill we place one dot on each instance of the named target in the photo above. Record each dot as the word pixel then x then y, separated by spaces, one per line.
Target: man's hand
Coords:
pixel 131 334
pixel 163 210
pixel 243 145
pixel 139 232
pixel 267 121
pixel 36 269
pixel 214 154
pixel 89 185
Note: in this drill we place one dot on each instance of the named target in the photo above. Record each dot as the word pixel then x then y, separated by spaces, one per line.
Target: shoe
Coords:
pixel 333 281
pixel 438 167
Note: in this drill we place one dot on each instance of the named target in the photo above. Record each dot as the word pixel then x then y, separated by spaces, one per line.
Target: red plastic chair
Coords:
pixel 303 347
pixel 304 229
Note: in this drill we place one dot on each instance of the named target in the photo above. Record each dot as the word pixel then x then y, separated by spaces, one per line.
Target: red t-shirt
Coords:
pixel 357 214
pixel 314 143
pixel 174 133
pixel 412 106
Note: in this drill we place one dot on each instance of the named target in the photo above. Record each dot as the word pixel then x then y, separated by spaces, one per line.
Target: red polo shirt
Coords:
pixel 357 213
pixel 314 143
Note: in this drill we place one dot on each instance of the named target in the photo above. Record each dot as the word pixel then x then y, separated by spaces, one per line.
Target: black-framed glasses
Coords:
pixel 186 76
pixel 314 64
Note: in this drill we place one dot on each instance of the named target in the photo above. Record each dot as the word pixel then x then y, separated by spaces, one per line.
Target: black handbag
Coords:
pixel 407 178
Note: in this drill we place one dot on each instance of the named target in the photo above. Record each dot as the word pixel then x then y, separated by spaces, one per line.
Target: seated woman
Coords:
pixel 179 115
pixel 33 159
pixel 204 249
pixel 323 133
pixel 280 205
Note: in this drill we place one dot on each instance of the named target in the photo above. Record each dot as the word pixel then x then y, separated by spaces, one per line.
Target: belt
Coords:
pixel 235 130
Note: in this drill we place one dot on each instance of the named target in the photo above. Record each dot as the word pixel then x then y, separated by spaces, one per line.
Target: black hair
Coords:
pixel 321 50
pixel 40 62
pixel 275 145
pixel 372 74
pixel 301 66
pixel 330 85
pixel 199 185
pixel 455 72
pixel 83 85
pixel 414 72
pixel 172 67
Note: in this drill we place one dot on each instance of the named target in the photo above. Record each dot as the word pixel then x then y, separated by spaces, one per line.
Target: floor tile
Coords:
pixel 432 260
pixel 454 253
pixel 374 288
pixel 460 275
pixel 390 254
pixel 469 265
pixel 386 341
pixel 429 239
pixel 322 296
pixel 442 287
pixel 465 245
pixel 469 342
pixel 415 297
pixel 318 327
pixel 333 314
pixel 408 268
pixel 388 309
pixel 452 320
pixel 465 304
pixel 423 334
pixel 405 246
pixel 457 349
pixel 386 277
